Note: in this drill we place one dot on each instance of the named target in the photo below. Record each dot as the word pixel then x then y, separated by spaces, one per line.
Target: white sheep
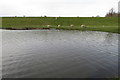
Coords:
pixel 48 26
pixel 82 25
pixel 71 25
pixel 59 25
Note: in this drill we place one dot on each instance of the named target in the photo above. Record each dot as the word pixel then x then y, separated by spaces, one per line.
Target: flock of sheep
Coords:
pixel 82 26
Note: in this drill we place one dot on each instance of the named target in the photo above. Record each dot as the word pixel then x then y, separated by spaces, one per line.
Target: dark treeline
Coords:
pixel 112 13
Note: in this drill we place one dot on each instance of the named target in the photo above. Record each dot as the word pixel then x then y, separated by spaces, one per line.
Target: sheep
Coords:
pixel 103 26
pixel 48 26
pixel 82 25
pixel 71 25
pixel 59 25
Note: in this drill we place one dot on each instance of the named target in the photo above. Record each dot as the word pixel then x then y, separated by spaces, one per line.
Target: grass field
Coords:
pixel 107 24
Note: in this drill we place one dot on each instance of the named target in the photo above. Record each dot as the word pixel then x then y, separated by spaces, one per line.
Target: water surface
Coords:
pixel 59 54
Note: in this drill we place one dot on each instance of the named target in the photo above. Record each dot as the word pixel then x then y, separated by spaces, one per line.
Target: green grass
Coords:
pixel 117 78
pixel 93 24
pixel 0 22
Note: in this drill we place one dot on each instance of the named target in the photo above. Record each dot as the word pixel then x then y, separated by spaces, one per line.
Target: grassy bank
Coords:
pixel 107 24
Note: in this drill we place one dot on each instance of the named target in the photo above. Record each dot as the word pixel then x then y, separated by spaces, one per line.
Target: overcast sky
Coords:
pixel 66 8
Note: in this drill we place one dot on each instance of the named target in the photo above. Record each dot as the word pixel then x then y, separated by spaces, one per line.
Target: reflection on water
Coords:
pixel 109 38
pixel 59 54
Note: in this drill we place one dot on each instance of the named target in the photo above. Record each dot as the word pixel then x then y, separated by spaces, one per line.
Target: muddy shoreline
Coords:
pixel 24 28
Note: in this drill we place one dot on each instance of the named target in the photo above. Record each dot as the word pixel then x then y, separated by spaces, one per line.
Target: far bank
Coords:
pixel 106 24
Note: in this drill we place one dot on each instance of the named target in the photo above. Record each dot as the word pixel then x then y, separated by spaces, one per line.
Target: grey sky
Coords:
pixel 82 8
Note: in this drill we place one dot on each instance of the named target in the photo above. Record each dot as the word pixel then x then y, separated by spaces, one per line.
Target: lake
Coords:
pixel 59 54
